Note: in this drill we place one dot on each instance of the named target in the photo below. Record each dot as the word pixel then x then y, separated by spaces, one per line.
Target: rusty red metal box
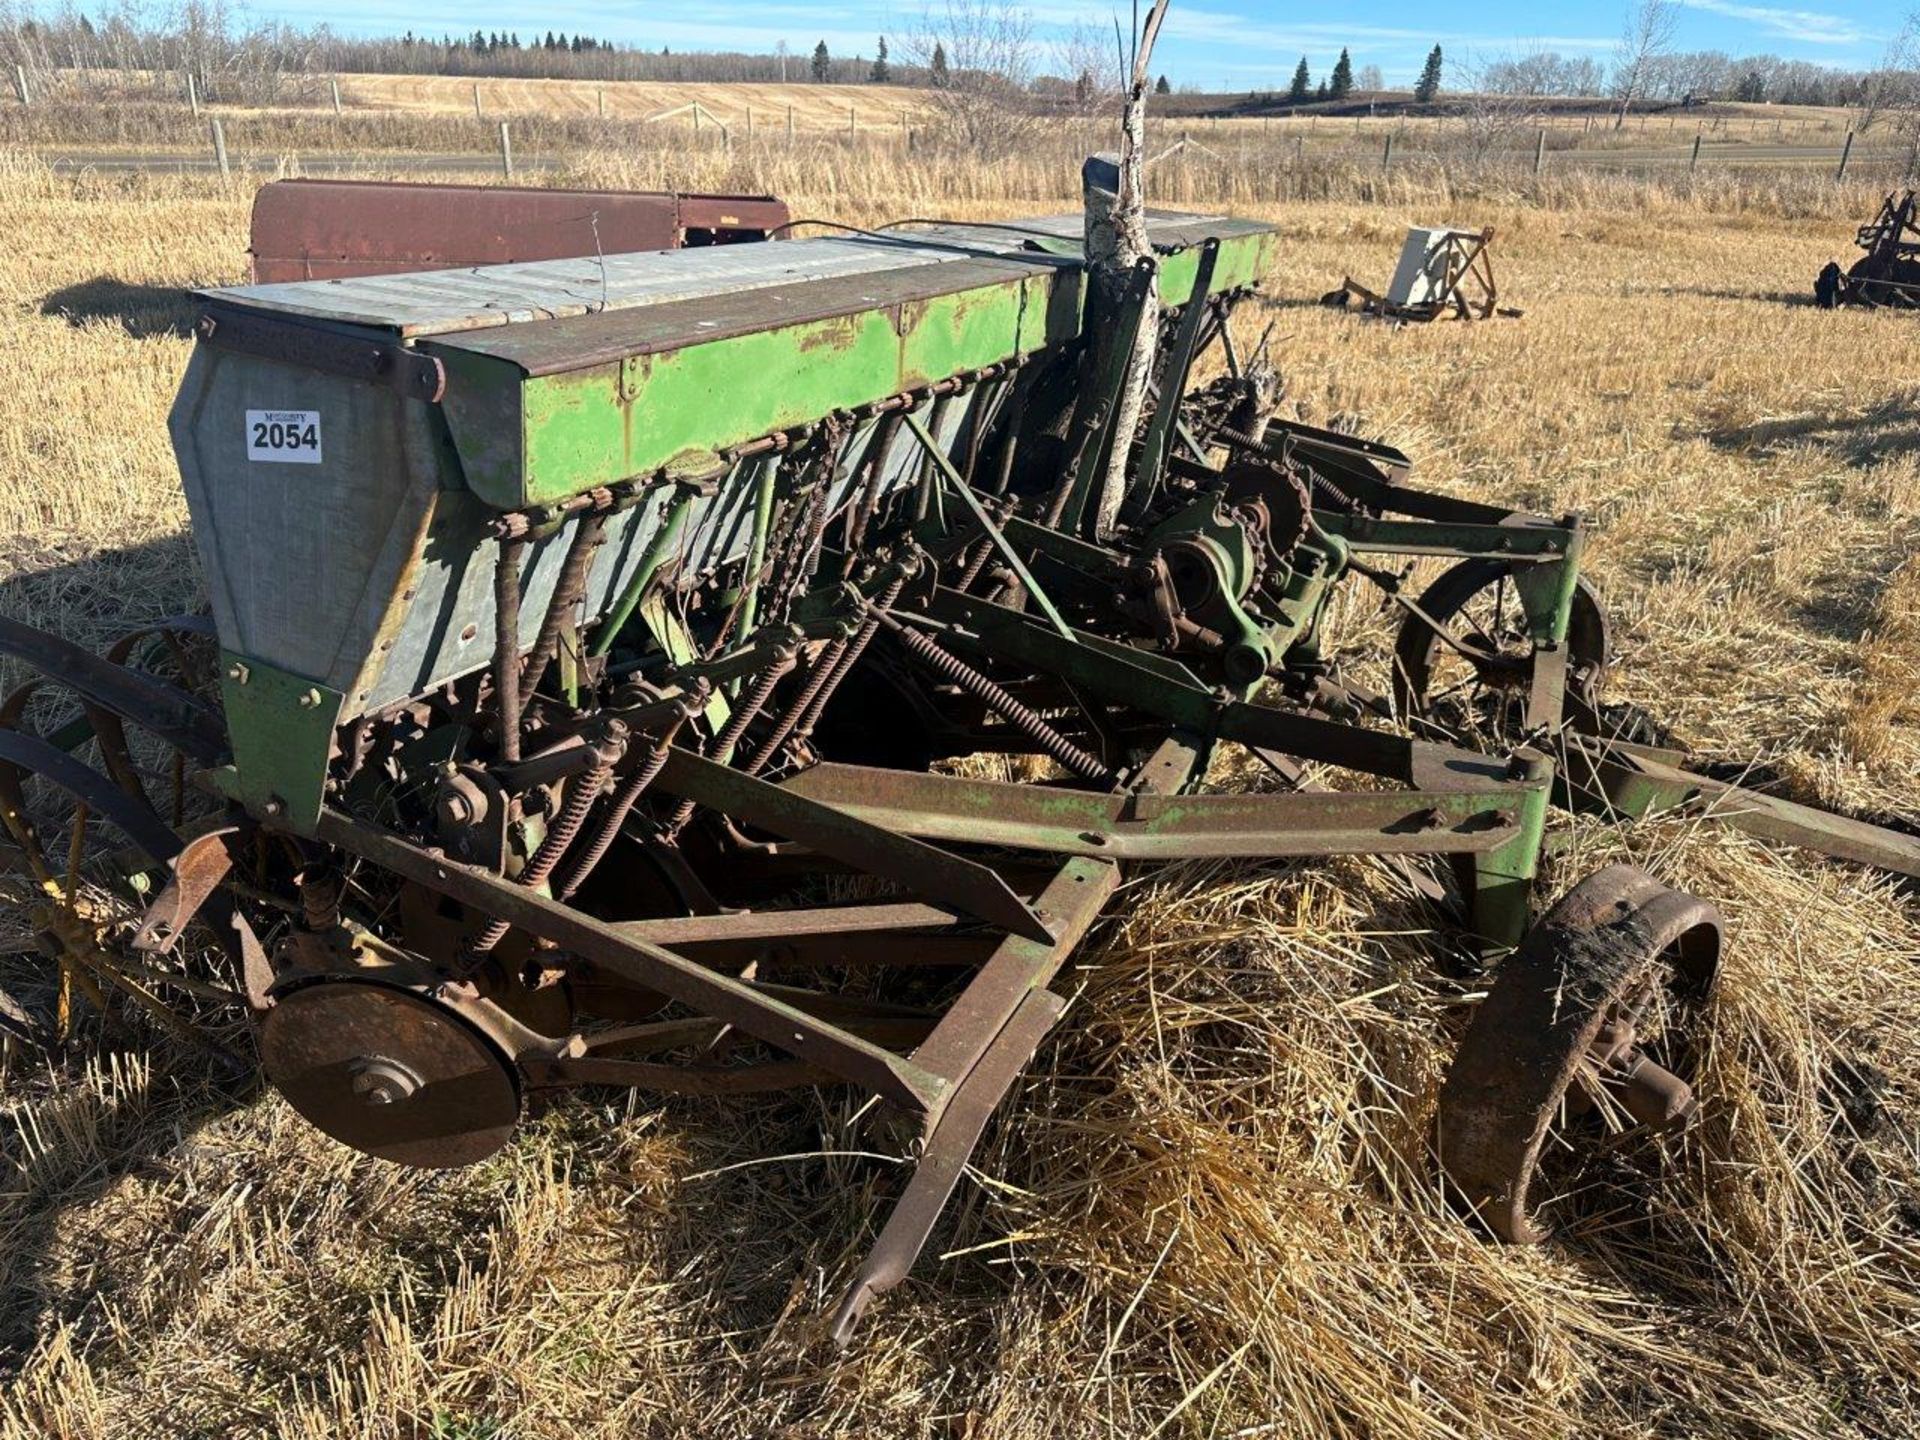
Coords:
pixel 333 229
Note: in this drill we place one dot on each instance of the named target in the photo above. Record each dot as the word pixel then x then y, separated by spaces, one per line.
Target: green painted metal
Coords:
pixel 767 473
pixel 668 536
pixel 1166 827
pixel 526 440
pixel 1242 261
pixel 531 439
pixel 281 728
pixel 1503 877
pixel 959 487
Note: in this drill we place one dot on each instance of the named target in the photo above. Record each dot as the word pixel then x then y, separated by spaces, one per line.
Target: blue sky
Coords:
pixel 1232 44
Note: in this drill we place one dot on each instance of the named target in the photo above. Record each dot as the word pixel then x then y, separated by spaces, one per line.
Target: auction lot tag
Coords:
pixel 290 436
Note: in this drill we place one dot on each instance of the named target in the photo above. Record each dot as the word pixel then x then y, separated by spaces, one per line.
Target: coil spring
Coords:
pixel 1021 716
pixel 743 715
pixel 623 804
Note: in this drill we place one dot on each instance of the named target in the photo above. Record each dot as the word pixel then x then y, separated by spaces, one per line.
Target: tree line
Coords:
pixel 974 48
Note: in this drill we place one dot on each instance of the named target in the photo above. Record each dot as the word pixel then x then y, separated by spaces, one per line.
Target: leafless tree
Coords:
pixel 1492 115
pixel 1891 93
pixel 1116 241
pixel 1090 74
pixel 1648 36
pixel 990 62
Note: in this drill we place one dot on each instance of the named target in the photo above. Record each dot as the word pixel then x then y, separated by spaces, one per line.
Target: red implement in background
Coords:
pixel 333 229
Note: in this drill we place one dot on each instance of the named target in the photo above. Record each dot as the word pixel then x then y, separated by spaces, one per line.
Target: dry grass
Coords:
pixel 1210 1211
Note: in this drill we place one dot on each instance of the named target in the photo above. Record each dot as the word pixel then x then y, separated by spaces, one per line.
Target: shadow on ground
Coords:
pixel 1859 438
pixel 143 311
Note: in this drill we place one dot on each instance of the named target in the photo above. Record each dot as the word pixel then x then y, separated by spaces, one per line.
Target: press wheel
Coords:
pixel 1561 1047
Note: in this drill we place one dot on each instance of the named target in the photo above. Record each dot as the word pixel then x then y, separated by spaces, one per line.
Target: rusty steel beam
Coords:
pixel 1164 827
pixel 948 1146
pixel 739 1002
pixel 947 878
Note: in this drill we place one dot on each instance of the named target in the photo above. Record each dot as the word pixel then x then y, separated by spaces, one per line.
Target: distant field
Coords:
pixel 814 107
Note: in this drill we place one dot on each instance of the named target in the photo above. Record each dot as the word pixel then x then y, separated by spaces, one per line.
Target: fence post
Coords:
pixel 1587 129
pixel 850 129
pixel 1386 152
pixel 506 151
pixel 1846 153
pixel 335 84
pixel 20 83
pixel 193 96
pixel 789 124
pixel 1540 150
pixel 749 123
pixel 1694 163
pixel 600 95
pixel 219 145
pixel 476 101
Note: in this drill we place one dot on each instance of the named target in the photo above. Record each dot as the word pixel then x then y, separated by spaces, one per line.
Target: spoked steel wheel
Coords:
pixel 1474 679
pixel 1582 1033
pixel 94 806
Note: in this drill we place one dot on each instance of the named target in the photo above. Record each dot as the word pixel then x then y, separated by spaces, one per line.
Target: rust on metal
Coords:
pixel 1888 274
pixel 338 229
pixel 585 707
pixel 1564 1013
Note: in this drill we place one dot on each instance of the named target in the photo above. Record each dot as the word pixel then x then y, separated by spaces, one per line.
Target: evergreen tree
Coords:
pixel 937 67
pixel 1320 91
pixel 1341 85
pixel 1302 86
pixel 822 62
pixel 1160 86
pixel 881 72
pixel 1428 85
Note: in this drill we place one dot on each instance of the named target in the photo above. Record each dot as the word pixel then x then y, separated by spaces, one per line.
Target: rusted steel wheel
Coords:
pixel 91 836
pixel 1573 1036
pixel 1477 603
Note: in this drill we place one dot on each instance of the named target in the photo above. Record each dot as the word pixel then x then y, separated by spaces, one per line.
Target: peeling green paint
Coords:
pixel 535 439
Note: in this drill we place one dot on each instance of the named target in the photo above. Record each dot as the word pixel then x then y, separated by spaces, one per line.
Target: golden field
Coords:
pixel 1210 1211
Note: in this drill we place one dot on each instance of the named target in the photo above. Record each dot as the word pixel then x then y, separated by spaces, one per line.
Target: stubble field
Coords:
pixel 1210 1210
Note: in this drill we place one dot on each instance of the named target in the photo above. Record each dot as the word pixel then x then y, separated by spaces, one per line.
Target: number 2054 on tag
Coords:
pixel 291 437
